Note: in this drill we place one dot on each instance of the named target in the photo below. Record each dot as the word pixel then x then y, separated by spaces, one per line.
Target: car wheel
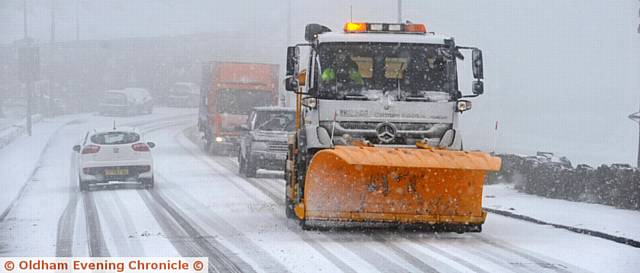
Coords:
pixel 82 185
pixel 148 184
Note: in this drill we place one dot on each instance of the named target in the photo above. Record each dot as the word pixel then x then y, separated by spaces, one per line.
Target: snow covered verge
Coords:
pixel 20 155
pixel 606 220
pixel 10 133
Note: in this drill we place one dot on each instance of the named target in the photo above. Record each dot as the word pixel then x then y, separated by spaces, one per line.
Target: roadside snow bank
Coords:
pixel 595 217
pixel 12 132
pixel 19 158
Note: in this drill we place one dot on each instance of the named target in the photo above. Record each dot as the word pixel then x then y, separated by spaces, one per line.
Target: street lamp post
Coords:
pixel 399 6
pixel 636 117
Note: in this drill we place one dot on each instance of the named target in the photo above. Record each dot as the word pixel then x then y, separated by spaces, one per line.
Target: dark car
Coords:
pixel 264 145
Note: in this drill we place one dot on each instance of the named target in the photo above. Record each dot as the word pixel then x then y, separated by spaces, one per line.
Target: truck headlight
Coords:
pixel 259 146
pixel 463 105
pixel 219 139
pixel 310 102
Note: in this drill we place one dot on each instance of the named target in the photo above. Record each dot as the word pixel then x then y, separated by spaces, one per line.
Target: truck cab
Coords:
pixel 229 92
pixel 384 84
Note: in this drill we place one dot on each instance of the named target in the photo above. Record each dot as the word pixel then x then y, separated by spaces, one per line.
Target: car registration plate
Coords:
pixel 116 171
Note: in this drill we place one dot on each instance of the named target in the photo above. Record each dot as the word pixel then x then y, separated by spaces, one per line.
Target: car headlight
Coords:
pixel 259 146
pixel 219 139
pixel 463 105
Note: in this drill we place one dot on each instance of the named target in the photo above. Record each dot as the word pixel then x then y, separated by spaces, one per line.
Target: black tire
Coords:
pixel 83 185
pixel 206 146
pixel 251 169
pixel 242 165
pixel 289 212
pixel 148 184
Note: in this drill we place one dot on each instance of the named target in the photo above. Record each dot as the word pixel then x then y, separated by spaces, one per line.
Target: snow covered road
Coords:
pixel 201 207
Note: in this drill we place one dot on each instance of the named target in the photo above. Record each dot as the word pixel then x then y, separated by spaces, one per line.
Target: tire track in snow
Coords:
pixel 220 257
pixel 454 258
pixel 545 263
pixel 180 240
pixel 264 259
pixel 119 237
pixel 305 237
pixel 413 260
pixel 66 222
pixel 129 225
pixel 97 245
pixel 490 256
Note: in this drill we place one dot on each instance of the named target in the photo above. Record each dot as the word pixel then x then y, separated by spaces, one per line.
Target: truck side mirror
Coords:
pixel 293 55
pixel 478 87
pixel 476 57
pixel 311 31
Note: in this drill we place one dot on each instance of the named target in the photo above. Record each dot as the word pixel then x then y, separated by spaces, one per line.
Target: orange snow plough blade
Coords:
pixel 396 185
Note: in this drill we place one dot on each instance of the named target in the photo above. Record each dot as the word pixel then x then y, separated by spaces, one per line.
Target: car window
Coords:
pixel 113 138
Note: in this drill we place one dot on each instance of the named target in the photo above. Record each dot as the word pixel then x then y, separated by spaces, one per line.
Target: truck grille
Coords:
pixel 402 126
pixel 277 147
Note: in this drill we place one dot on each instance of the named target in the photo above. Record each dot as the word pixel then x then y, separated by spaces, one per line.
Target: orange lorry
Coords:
pixel 228 93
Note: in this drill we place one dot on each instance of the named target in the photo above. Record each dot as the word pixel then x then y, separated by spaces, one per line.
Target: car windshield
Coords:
pixel 275 121
pixel 113 138
pixel 355 69
pixel 240 102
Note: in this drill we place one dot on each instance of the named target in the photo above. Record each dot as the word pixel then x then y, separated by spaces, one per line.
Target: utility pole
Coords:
pixel 51 57
pixel 28 83
pixel 77 20
pixel 636 117
pixel 24 6
pixel 400 11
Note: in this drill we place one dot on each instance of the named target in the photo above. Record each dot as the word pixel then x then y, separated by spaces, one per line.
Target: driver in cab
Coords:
pixel 344 74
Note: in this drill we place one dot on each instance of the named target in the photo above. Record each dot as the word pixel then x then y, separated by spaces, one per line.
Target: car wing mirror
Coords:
pixel 76 148
pixel 151 144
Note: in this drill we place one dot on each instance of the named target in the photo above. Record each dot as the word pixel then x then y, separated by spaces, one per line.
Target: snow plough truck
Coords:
pixel 377 139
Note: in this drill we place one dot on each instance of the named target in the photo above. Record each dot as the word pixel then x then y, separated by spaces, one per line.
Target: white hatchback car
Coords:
pixel 117 155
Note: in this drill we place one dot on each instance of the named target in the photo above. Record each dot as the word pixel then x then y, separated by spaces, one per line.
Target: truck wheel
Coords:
pixel 241 165
pixel 288 211
pixel 206 146
pixel 250 168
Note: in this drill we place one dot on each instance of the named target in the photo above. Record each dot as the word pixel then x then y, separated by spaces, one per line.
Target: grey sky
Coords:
pixel 561 75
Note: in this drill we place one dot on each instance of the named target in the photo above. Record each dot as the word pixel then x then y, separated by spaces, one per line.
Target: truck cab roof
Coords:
pixel 411 38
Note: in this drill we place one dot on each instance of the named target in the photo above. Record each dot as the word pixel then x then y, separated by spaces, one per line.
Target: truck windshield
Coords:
pixel 241 102
pixel 355 69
